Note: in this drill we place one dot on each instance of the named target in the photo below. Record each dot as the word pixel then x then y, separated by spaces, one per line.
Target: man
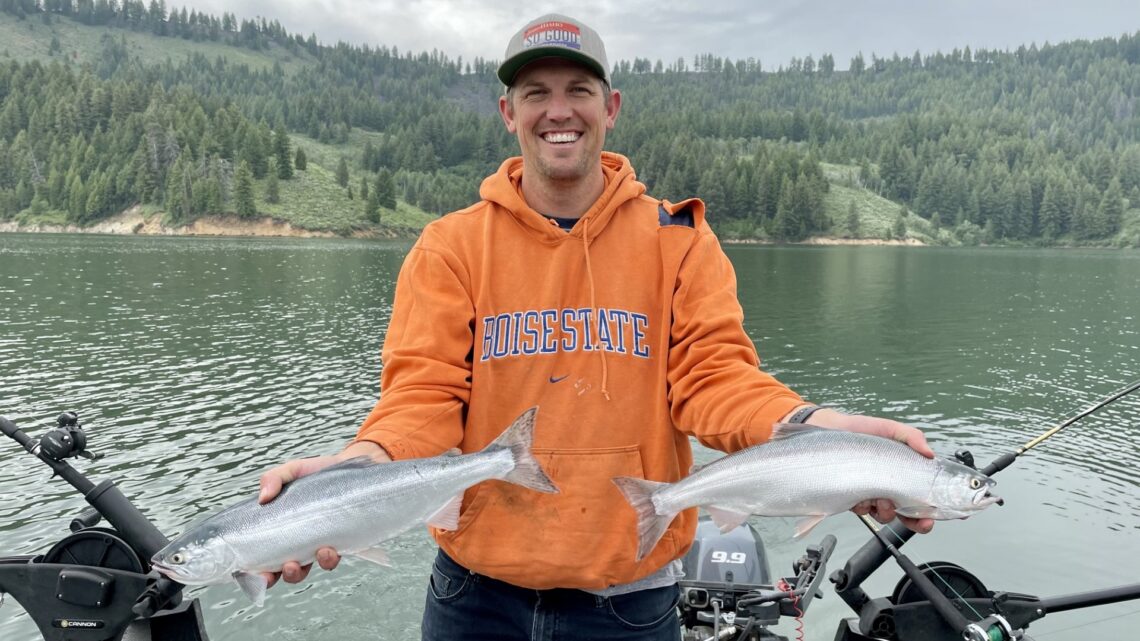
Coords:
pixel 568 288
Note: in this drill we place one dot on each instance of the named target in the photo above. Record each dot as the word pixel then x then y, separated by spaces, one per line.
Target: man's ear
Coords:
pixel 613 108
pixel 507 112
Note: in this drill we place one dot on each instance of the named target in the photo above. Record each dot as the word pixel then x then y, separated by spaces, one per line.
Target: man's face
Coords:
pixel 560 114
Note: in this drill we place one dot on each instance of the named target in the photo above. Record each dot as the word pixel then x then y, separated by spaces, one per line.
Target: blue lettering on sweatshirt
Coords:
pixel 549 331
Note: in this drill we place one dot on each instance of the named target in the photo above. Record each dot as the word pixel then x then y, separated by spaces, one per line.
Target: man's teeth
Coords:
pixel 560 137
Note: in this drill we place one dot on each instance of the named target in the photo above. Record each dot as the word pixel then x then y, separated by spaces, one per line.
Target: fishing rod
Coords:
pixel 1005 460
pixel 1018 609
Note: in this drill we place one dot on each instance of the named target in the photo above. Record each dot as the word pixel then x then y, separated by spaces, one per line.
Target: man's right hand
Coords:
pixel 273 480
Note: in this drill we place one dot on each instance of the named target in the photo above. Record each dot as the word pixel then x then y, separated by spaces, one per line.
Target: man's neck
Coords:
pixel 562 199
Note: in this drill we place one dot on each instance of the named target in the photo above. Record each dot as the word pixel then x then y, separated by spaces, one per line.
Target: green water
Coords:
pixel 198 363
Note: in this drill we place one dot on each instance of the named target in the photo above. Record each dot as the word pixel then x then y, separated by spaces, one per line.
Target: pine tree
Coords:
pixel 76 200
pixel 243 191
pixel 254 149
pixel 711 189
pixel 283 153
pixel 97 198
pixel 272 188
pixel 1110 212
pixel 342 172
pixel 172 199
pixel 372 208
pixel 300 160
pixel 385 189
pixel 364 188
pixel 1051 226
pixel 786 225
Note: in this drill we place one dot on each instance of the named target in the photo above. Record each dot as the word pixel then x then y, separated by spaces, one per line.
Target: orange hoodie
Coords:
pixel 498 310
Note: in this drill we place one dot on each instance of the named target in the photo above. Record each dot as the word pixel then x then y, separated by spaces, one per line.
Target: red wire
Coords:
pixel 783 585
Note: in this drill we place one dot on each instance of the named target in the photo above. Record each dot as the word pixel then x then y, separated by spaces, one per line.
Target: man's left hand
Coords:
pixel 883 510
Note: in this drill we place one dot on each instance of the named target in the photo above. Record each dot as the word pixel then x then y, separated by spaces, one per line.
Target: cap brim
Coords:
pixel 509 69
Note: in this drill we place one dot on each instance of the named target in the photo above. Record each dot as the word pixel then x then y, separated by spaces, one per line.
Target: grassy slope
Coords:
pixel 313 200
pixel 31 39
pixel 877 215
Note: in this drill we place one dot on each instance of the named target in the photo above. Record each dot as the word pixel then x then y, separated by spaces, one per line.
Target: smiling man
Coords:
pixel 568 288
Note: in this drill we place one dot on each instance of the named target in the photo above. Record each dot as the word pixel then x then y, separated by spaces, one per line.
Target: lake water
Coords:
pixel 195 364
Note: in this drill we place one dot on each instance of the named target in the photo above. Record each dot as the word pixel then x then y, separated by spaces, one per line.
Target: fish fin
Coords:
pixel 253 584
pixel 784 431
pixel 518 438
pixel 807 524
pixel 726 519
pixel 694 468
pixel 352 463
pixel 376 555
pixel 651 526
pixel 918 511
pixel 455 451
pixel 447 517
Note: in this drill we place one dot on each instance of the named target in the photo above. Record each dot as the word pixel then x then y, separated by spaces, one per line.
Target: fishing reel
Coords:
pixel 952 580
pixel 67 440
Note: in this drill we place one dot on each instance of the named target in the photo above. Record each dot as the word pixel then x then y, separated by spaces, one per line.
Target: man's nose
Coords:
pixel 559 107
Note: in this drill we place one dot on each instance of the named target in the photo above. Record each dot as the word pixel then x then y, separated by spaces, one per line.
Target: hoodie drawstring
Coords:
pixel 594 302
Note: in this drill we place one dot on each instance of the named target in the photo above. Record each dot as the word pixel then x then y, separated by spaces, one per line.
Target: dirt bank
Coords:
pixel 134 221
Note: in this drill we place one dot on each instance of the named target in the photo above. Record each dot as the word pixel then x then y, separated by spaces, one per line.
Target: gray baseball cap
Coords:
pixel 558 36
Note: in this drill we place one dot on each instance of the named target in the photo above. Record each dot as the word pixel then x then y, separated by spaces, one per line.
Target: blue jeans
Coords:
pixel 464 606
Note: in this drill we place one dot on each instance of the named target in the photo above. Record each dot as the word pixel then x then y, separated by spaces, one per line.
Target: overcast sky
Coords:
pixel 772 31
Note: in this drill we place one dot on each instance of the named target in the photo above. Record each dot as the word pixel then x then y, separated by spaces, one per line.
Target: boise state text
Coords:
pixel 549 331
pixel 553 33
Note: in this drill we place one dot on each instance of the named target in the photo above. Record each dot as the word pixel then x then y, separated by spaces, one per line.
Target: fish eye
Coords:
pixel 177 558
pixel 975 484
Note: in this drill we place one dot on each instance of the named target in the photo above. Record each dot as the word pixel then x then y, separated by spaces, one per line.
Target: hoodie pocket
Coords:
pixel 584 536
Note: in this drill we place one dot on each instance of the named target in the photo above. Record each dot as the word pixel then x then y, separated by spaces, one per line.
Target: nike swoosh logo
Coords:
pixel 555 379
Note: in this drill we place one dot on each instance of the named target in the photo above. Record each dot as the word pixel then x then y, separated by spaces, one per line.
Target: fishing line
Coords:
pixel 871 524
pixel 1081 625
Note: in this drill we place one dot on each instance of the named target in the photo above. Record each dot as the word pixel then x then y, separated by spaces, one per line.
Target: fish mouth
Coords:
pixel 163 569
pixel 985 500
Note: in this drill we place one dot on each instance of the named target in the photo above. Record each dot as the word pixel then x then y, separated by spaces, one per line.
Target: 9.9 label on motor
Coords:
pixel 736 558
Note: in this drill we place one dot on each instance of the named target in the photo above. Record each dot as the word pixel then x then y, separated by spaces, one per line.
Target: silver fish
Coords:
pixel 811 473
pixel 352 506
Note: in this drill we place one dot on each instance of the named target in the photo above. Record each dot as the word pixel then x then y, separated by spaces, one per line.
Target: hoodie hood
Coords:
pixel 504 188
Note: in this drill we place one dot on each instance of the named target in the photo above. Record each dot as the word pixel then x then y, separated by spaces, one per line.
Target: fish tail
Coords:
pixel 651 526
pixel 518 439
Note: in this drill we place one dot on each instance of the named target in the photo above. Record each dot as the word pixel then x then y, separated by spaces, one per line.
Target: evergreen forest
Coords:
pixel 107 105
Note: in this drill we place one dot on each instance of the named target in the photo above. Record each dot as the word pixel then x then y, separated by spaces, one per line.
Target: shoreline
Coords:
pixel 830 241
pixel 133 222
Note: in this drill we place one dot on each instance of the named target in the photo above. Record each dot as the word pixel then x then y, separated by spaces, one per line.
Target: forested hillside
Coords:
pixel 106 105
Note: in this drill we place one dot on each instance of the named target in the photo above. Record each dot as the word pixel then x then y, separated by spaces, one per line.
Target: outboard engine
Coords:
pixel 728 592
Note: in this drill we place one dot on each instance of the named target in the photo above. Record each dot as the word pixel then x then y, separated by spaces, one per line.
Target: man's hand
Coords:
pixel 274 479
pixel 883 510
